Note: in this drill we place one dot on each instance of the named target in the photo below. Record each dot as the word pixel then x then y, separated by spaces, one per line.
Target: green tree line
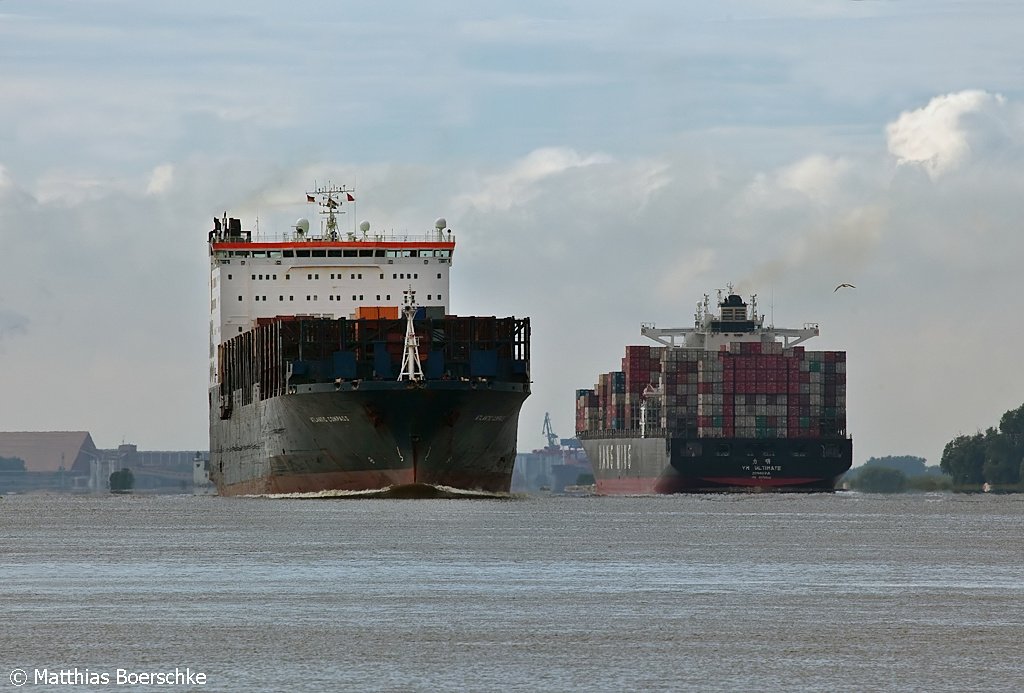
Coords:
pixel 898 473
pixel 12 464
pixel 995 457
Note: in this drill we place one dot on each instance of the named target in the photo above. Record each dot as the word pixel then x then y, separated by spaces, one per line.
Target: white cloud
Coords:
pixel 519 184
pixel 951 130
pixel 160 179
pixel 818 177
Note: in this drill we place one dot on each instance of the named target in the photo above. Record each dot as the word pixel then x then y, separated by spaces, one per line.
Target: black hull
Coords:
pixel 633 465
pixel 367 436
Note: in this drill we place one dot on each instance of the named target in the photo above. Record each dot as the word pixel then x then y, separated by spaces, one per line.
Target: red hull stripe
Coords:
pixel 327 481
pixel 679 484
pixel 633 485
pixel 747 481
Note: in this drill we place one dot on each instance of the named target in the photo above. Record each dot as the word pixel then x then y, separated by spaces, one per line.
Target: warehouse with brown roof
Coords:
pixel 50 451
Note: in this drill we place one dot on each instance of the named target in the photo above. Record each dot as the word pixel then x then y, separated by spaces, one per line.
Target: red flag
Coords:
pixel 310 198
pixel 350 198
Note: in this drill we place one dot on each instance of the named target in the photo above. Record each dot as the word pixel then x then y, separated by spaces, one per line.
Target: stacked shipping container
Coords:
pixel 748 390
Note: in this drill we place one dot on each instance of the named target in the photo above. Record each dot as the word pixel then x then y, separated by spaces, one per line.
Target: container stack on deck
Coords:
pixel 681 378
pixel 750 390
pixel 294 350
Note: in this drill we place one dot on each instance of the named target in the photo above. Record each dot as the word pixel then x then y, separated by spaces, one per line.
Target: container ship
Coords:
pixel 335 364
pixel 728 404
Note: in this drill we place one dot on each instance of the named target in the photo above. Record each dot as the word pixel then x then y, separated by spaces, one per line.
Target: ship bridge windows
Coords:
pixel 259 253
pixel 319 253
pixel 333 253
pixel 365 253
pixel 349 253
pixel 289 253
pixel 302 253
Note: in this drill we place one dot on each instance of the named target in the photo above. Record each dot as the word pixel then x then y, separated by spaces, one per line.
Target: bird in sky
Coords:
pixel 844 284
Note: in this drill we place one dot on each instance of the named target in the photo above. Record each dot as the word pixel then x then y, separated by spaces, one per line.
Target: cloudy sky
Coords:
pixel 602 164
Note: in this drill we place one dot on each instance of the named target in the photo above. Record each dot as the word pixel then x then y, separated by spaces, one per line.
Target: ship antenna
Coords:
pixel 332 221
pixel 411 368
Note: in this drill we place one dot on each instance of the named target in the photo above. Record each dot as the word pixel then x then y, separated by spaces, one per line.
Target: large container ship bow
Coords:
pixel 335 364
pixel 727 404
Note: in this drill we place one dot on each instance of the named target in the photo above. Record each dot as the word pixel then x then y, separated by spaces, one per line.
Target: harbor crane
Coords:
pixel 549 432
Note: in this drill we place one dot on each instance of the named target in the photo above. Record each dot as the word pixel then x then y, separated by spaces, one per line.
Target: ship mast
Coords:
pixel 331 197
pixel 411 368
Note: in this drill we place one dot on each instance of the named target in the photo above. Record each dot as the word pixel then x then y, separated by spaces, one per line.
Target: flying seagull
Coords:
pixel 842 285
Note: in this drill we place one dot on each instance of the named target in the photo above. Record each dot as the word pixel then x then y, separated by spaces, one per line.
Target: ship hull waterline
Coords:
pixel 641 466
pixel 369 436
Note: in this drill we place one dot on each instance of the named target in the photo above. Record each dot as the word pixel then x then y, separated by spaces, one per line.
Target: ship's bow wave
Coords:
pixel 399 491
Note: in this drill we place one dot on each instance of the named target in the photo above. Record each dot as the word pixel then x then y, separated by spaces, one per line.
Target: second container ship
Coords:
pixel 727 404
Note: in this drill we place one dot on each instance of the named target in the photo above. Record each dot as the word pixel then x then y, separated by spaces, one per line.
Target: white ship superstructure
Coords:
pixel 329 273
pixel 735 322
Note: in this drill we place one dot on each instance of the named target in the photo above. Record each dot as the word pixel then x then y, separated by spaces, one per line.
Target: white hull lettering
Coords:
pixel 616 456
